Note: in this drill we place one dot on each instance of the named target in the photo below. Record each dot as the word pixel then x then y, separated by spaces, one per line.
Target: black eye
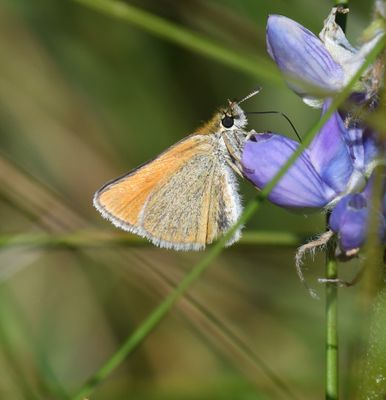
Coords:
pixel 227 122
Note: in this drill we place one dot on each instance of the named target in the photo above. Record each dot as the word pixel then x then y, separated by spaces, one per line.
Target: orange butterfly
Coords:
pixel 186 197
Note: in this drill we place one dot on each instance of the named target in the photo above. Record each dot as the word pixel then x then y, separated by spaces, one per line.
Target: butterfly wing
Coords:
pixel 184 199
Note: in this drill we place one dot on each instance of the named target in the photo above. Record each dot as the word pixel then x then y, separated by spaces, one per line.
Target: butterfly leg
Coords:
pixel 343 283
pixel 236 168
pixel 235 163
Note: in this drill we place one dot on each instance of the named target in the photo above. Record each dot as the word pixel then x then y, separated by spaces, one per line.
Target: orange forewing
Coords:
pixel 124 198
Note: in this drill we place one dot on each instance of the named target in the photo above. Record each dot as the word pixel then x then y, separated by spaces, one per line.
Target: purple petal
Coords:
pixel 353 230
pixel 356 201
pixel 363 144
pixel 329 153
pixel 338 212
pixel 363 147
pixel 372 148
pixel 301 187
pixel 302 56
pixel 354 140
pixel 349 219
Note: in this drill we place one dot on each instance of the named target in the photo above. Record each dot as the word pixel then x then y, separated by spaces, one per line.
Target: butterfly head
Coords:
pixel 232 117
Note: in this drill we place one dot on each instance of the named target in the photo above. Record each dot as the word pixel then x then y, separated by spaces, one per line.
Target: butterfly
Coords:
pixel 187 197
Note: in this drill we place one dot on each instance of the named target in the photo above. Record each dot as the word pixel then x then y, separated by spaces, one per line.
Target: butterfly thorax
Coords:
pixel 227 127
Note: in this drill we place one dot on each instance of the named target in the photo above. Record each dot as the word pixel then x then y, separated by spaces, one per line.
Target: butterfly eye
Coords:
pixel 227 122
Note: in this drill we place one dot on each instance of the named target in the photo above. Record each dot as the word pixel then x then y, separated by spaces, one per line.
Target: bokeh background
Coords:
pixel 85 97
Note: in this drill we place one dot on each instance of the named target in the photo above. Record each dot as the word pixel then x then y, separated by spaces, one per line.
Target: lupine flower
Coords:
pixel 338 161
pixel 350 219
pixel 332 174
pixel 315 68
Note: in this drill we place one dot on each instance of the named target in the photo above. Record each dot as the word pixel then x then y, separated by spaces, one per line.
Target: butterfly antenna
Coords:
pixel 255 92
pixel 283 115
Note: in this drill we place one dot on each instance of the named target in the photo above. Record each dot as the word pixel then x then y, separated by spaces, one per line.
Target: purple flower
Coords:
pixel 315 68
pixel 350 219
pixel 338 161
pixel 334 169
pixel 302 57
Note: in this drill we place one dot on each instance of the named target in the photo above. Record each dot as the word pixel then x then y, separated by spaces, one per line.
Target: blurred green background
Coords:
pixel 85 97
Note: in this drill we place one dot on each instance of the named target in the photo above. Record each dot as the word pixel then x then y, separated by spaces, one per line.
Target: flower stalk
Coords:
pixel 332 365
pixel 341 18
pixel 332 337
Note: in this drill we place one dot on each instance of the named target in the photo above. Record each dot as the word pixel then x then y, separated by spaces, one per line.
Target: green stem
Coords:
pixel 341 17
pixel 96 239
pixel 332 376
pixel 332 353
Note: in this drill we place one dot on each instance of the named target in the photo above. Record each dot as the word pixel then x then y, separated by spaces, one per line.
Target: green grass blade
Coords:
pixel 261 68
pixel 156 316
pixel 14 322
pixel 7 328
pixel 91 239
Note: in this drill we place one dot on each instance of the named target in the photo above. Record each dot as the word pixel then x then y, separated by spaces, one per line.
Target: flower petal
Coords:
pixel 301 187
pixel 329 153
pixel 335 40
pixel 350 58
pixel 354 140
pixel 349 219
pixel 374 151
pixel 354 229
pixel 365 150
pixel 338 212
pixel 302 56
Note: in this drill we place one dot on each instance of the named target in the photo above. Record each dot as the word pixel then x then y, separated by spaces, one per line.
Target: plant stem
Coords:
pixel 332 376
pixel 332 361
pixel 95 239
pixel 341 17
